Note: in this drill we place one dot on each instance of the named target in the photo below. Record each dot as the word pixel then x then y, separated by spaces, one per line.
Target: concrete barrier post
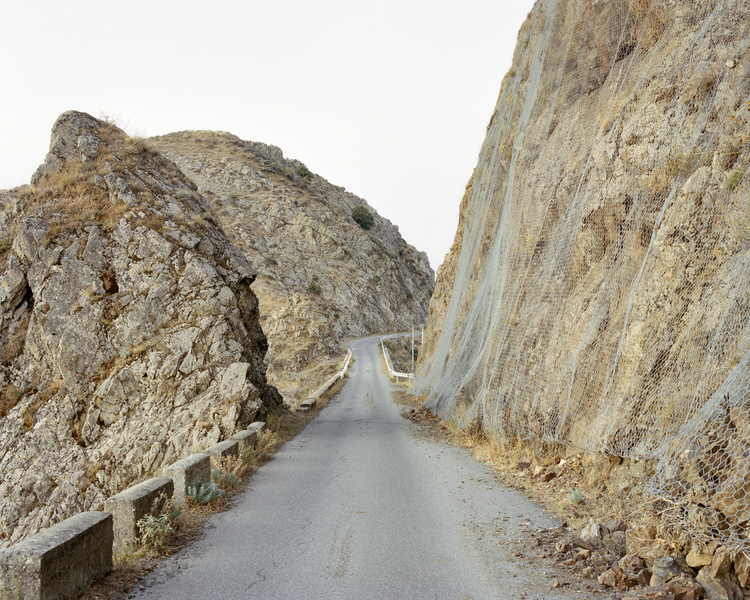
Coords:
pixel 59 562
pixel 185 472
pixel 248 437
pixel 222 449
pixel 130 506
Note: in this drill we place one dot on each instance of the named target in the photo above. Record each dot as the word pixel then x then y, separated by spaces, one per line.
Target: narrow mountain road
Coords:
pixel 360 507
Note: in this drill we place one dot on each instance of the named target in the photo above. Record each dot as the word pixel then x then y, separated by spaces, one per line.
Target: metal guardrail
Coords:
pixel 398 375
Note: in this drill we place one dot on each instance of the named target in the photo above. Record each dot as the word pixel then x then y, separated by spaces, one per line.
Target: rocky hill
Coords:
pixel 322 277
pixel 596 294
pixel 129 334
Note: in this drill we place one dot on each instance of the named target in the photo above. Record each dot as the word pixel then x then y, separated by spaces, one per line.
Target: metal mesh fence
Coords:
pixel 601 297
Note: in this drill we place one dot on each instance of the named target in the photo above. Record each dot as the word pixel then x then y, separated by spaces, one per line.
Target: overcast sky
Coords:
pixel 389 99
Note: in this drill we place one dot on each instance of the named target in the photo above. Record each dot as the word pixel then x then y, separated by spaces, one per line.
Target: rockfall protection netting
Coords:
pixel 602 292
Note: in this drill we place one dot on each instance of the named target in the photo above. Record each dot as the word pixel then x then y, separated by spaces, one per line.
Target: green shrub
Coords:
pixel 363 217
pixel 576 496
pixel 314 286
pixel 735 178
pixel 305 174
pixel 203 493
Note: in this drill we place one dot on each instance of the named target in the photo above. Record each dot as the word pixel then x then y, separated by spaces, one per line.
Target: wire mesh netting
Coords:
pixel 601 279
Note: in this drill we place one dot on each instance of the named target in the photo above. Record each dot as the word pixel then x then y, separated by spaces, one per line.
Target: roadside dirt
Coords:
pixel 570 487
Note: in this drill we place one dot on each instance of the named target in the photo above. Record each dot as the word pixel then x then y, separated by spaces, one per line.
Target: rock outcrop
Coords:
pixel 597 291
pixel 322 278
pixel 129 335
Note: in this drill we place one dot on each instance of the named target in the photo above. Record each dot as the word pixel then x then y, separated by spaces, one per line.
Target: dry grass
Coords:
pixel 9 397
pixel 42 397
pixel 132 568
pixel 581 490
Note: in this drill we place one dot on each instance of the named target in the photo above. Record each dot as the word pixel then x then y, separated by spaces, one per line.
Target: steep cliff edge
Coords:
pixel 129 335
pixel 322 278
pixel 597 292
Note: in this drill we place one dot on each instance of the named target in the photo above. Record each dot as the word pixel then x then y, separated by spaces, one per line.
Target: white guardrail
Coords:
pixel 387 357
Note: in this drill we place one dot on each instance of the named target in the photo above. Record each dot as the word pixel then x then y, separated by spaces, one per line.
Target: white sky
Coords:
pixel 389 99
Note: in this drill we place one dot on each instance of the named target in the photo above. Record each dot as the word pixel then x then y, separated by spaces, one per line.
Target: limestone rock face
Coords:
pixel 321 277
pixel 129 335
pixel 597 291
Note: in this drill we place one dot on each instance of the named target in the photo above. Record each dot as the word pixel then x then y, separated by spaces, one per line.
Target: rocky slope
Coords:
pixel 596 293
pixel 321 277
pixel 129 335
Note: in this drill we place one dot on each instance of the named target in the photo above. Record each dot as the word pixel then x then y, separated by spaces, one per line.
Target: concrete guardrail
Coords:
pixel 63 560
pixel 312 399
pixel 59 562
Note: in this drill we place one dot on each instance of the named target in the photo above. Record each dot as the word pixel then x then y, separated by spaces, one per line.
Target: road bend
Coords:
pixel 360 506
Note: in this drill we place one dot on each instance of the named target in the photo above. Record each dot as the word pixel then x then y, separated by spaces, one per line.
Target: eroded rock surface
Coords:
pixel 129 335
pixel 321 277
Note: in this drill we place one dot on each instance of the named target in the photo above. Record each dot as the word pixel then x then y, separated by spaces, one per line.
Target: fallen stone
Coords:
pixel 588 573
pixel 582 554
pixel 722 587
pixel 591 532
pixel 581 543
pixel 720 563
pixel 682 588
pixel 699 558
pixel 664 570
pixel 615 525
pixel 609 578
pixel 742 568
pixel 631 563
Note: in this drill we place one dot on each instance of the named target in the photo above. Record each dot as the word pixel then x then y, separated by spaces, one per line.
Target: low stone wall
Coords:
pixel 59 562
pixel 62 561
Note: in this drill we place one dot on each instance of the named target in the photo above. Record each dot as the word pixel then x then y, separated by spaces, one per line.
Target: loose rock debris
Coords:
pixel 601 556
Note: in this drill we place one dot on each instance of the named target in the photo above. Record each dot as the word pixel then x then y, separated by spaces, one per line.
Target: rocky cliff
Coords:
pixel 597 290
pixel 322 277
pixel 129 335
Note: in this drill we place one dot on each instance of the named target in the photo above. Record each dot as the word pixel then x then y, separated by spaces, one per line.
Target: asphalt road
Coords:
pixel 360 506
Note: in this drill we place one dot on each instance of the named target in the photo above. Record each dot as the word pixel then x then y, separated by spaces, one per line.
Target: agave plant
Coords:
pixel 224 480
pixel 203 493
